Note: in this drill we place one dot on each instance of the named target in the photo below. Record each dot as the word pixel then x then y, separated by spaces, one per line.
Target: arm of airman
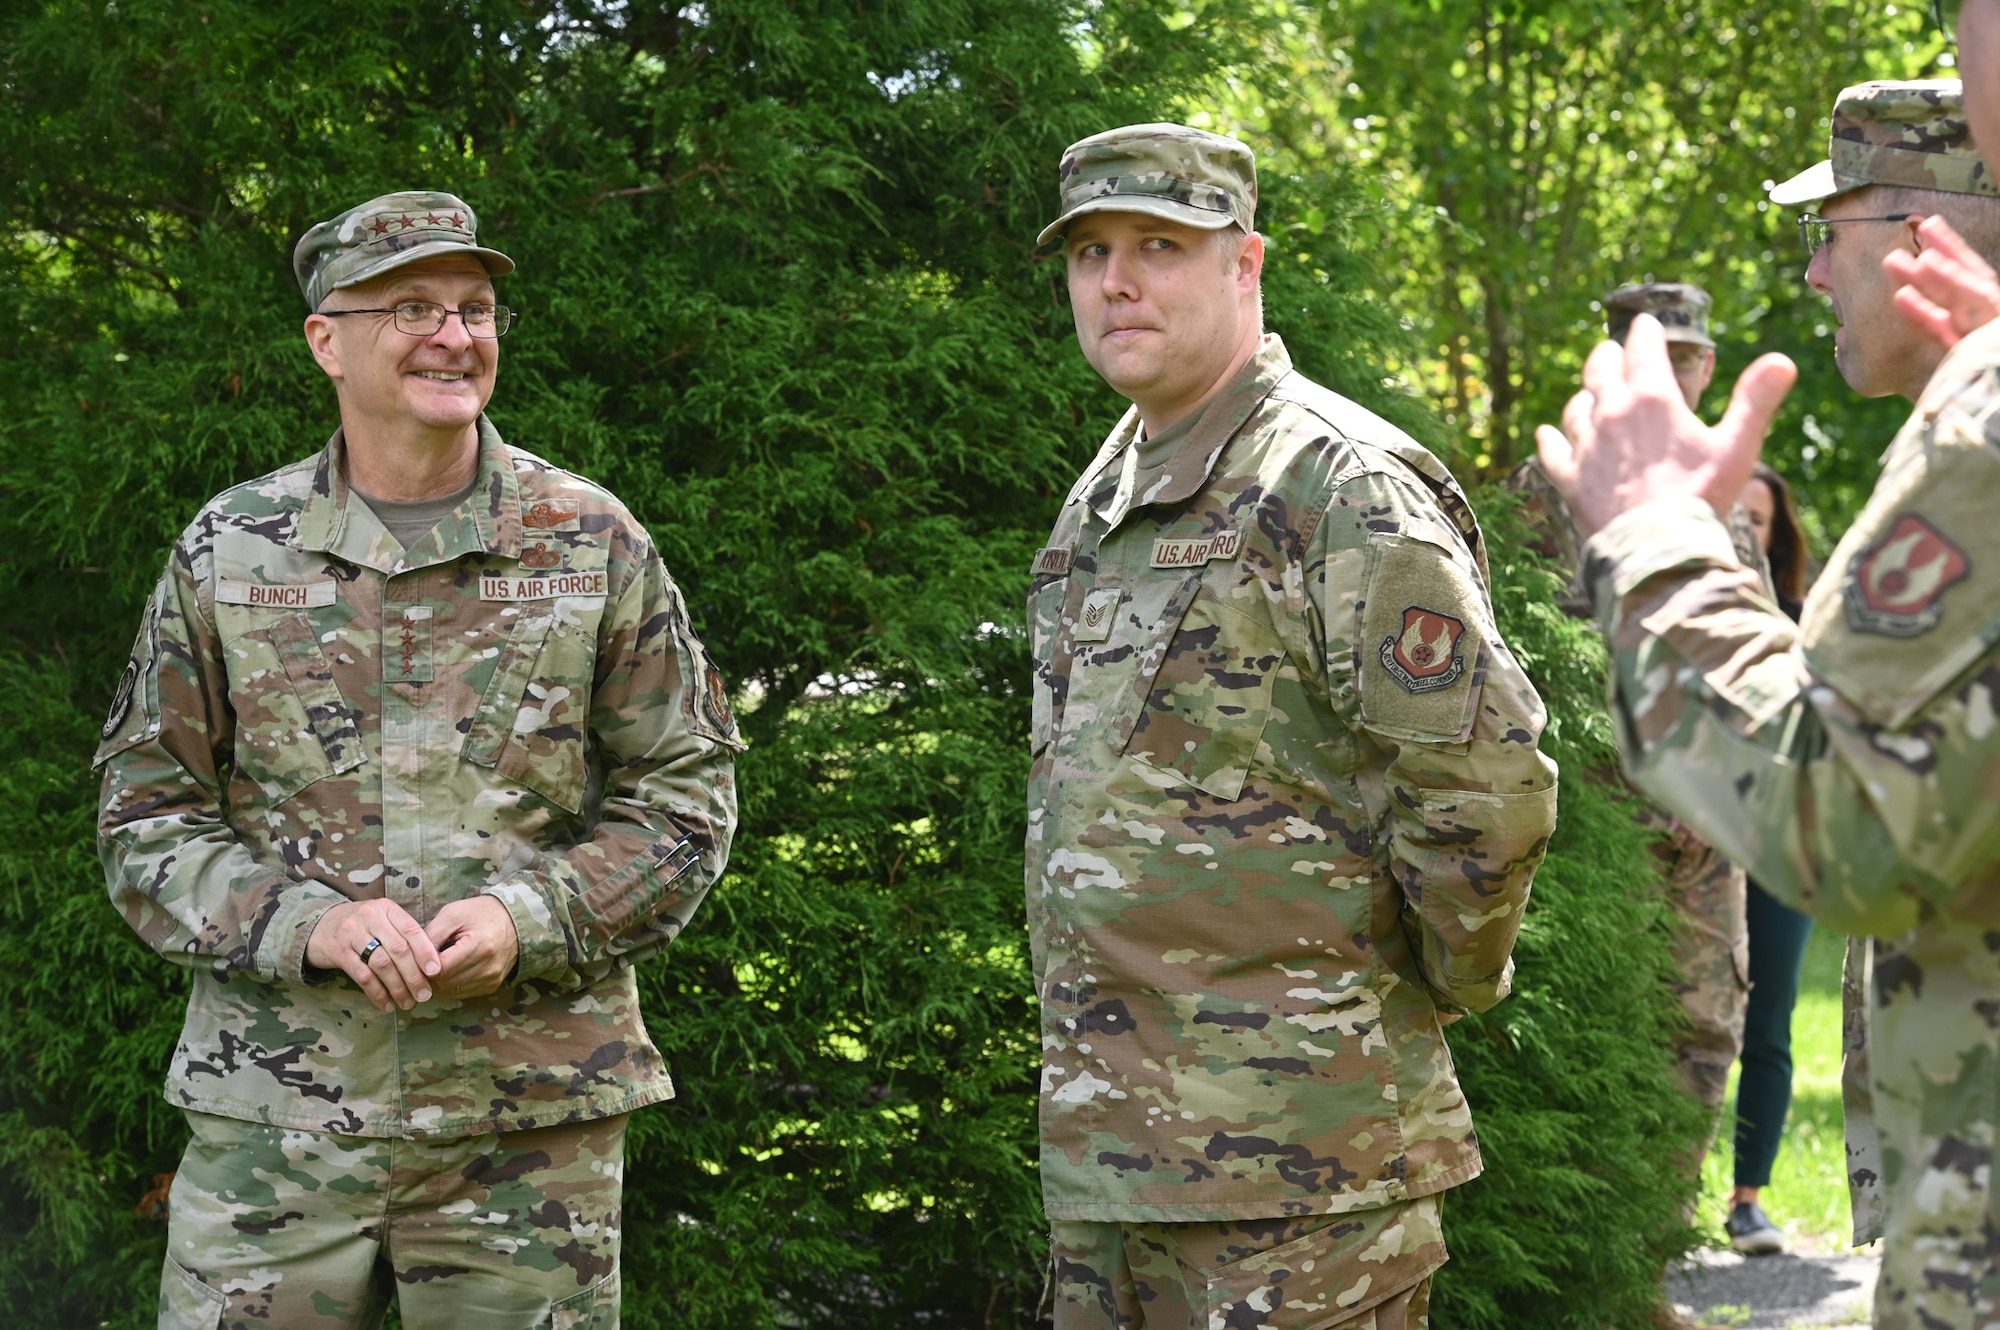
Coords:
pixel 1416 664
pixel 1847 763
pixel 176 871
pixel 660 718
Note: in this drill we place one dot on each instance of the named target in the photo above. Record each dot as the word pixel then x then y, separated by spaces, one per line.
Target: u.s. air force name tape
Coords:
pixel 1187 551
pixel 541 588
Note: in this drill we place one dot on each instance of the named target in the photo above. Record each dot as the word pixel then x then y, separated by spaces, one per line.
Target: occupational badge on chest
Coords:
pixel 1424 657
pixel 1189 551
pixel 551 515
pixel 1897 588
pixel 1100 608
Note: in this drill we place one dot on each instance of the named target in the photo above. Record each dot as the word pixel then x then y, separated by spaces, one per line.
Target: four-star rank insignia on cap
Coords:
pixel 1425 657
pixel 1897 588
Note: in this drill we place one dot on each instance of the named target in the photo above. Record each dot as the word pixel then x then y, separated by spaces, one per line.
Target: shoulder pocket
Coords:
pixel 1045 607
pixel 1208 698
pixel 292 725
pixel 134 716
pixel 1904 608
pixel 1420 652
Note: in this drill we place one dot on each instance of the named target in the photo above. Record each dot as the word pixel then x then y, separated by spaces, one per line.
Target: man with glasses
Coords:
pixel 1852 762
pixel 416 756
pixel 1872 195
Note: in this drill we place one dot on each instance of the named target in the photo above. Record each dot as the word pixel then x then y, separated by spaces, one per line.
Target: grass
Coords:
pixel 1807 1197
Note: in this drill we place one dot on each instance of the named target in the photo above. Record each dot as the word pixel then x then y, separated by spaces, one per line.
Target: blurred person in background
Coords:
pixel 1777 933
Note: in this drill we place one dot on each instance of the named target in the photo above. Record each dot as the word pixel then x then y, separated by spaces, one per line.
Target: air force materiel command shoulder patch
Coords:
pixel 1897 588
pixel 1424 657
pixel 1188 551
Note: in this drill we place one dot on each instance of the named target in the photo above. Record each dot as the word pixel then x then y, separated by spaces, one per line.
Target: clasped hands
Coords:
pixel 1629 437
pixel 467 951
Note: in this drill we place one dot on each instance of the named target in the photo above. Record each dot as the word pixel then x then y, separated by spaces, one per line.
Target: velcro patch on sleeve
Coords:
pixel 1422 635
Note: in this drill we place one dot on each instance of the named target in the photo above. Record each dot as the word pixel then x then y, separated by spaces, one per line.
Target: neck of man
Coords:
pixel 1161 416
pixel 406 461
pixel 1922 367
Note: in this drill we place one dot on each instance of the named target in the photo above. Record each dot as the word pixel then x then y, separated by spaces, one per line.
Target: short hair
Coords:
pixel 1975 217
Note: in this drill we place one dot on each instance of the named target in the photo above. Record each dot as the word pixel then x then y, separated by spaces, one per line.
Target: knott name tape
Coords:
pixel 275 595
pixel 541 588
pixel 1187 551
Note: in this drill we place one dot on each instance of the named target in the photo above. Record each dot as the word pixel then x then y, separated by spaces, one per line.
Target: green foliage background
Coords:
pixel 775 278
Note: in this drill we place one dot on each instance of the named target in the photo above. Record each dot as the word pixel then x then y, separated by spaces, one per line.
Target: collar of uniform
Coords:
pixel 1194 461
pixel 335 522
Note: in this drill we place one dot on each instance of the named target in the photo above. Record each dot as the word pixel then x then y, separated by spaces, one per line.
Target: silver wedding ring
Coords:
pixel 368 952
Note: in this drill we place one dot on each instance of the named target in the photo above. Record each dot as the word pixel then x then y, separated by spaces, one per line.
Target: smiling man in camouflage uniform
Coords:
pixel 1849 761
pixel 1286 800
pixel 416 757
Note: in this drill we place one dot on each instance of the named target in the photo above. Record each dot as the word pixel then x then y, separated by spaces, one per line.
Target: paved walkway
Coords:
pixel 1783 1292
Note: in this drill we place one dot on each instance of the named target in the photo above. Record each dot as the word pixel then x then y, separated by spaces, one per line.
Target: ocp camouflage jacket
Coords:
pixel 517 706
pixel 1852 764
pixel 1286 803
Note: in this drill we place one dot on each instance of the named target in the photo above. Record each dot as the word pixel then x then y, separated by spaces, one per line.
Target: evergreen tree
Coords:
pixel 776 294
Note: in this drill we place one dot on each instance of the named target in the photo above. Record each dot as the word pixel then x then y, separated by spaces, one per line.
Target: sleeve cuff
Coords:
pixel 281 956
pixel 543 945
pixel 1653 538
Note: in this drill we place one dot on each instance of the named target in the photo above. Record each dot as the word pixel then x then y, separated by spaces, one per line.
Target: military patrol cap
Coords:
pixel 1681 309
pixel 1887 133
pixel 384 234
pixel 1172 171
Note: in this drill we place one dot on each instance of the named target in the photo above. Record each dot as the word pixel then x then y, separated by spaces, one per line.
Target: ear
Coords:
pixel 1250 263
pixel 320 340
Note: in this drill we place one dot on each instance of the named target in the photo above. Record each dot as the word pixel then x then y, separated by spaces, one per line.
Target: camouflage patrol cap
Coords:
pixel 384 234
pixel 1172 171
pixel 1681 309
pixel 1887 133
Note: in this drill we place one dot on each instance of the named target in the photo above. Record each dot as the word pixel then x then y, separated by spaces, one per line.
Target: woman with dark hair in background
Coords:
pixel 1777 934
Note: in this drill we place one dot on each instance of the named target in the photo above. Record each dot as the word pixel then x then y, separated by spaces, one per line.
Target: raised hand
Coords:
pixel 1948 290
pixel 1629 438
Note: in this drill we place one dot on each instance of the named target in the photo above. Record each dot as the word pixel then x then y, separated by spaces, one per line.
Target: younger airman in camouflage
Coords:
pixel 1849 761
pixel 1286 799
pixel 417 755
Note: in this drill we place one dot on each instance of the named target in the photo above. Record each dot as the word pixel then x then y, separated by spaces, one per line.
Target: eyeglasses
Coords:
pixel 1816 231
pixel 425 318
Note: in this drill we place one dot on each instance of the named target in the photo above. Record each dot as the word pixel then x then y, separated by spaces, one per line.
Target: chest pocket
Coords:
pixel 293 727
pixel 1209 699
pixel 531 724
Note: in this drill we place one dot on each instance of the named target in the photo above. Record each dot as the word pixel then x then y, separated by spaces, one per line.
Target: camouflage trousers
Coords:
pixel 270 1228
pixel 1710 898
pixel 1934 1052
pixel 1365 1270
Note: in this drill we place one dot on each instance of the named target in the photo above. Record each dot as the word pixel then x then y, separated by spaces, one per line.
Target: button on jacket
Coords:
pixel 515 706
pixel 1286 804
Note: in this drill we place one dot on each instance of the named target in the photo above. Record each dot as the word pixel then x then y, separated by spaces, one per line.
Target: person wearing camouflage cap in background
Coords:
pixel 416 757
pixel 1707 892
pixel 1849 761
pixel 1286 799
